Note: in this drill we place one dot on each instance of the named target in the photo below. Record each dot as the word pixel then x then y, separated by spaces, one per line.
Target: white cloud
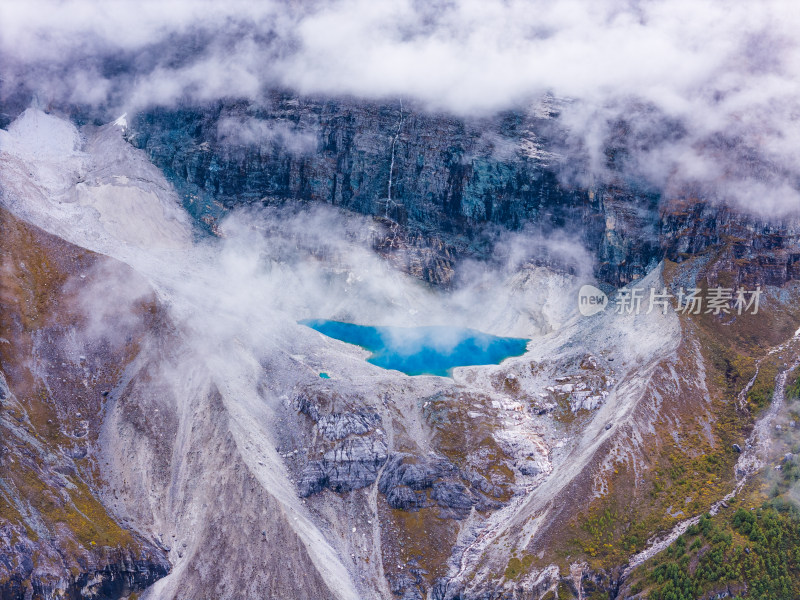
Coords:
pixel 250 131
pixel 718 69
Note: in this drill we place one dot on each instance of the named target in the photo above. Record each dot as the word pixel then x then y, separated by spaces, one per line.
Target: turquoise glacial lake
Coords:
pixel 423 350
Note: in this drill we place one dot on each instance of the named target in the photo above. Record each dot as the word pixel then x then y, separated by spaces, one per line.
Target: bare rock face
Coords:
pixel 350 465
pixel 353 449
pixel 410 483
pixel 338 426
pixel 115 575
pixel 405 470
pixel 452 494
pixel 354 463
pixel 754 251
pixel 440 186
pixel 403 497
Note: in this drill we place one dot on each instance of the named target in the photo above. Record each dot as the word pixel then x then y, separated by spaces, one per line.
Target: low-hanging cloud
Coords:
pixel 700 95
pixel 250 131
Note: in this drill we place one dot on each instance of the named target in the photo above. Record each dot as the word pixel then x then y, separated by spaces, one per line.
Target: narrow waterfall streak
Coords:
pixel 391 162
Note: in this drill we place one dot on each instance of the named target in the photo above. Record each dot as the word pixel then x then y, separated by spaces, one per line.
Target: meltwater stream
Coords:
pixel 423 350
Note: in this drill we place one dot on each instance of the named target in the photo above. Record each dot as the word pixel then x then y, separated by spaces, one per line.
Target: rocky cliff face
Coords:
pixel 753 251
pixel 447 183
pixel 443 184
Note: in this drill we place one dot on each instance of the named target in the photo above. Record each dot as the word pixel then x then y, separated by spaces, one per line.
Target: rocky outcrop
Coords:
pixel 117 574
pixel 411 483
pixel 439 187
pixel 404 480
pixel 451 494
pixel 403 497
pixel 352 445
pixel 350 465
pixel 338 426
pixel 404 470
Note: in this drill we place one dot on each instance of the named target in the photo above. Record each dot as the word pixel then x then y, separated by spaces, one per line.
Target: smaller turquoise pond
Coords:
pixel 423 350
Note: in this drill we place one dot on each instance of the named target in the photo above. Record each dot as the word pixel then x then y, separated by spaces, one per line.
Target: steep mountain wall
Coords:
pixel 450 181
